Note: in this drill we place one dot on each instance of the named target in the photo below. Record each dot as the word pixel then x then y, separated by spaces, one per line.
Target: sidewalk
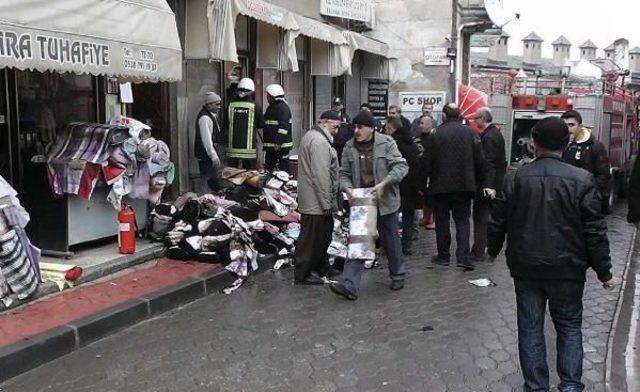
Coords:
pixel 49 327
pixel 96 262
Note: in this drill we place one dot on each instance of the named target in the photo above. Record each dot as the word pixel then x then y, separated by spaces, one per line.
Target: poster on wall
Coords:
pixel 411 103
pixel 378 98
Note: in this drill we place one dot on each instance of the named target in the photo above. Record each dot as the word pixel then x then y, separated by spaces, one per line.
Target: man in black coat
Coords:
pixel 585 152
pixel 455 166
pixel 396 112
pixel 550 215
pixel 345 133
pixel 496 168
pixel 411 185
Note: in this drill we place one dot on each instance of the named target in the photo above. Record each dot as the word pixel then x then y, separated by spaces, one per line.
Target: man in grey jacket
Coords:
pixel 317 199
pixel 372 160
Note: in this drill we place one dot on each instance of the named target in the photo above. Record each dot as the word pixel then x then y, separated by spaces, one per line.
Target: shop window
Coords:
pixel 47 102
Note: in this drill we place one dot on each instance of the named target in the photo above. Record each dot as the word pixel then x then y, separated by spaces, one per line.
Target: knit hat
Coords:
pixel 551 133
pixel 211 97
pixel 365 118
pixel 331 115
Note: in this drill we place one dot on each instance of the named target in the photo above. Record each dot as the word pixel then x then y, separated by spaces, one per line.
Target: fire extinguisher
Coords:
pixel 126 230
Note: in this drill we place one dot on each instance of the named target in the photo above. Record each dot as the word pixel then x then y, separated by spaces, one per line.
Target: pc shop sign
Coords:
pixel 413 101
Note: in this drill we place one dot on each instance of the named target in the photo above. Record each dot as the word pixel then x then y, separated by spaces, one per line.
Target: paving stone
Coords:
pixel 273 336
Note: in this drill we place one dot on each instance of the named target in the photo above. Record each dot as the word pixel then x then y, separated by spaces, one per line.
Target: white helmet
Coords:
pixel 275 90
pixel 246 84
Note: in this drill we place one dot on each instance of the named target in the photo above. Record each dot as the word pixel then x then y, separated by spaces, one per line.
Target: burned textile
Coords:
pixel 215 229
pixel 362 225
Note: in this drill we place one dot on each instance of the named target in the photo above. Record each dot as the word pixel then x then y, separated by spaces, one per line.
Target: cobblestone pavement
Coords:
pixel 438 334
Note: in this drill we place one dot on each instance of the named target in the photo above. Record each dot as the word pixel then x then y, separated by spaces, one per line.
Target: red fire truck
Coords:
pixel 606 109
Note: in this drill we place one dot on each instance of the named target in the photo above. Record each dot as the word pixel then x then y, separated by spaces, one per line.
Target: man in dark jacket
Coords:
pixel 277 140
pixel 455 166
pixel 550 215
pixel 345 133
pixel 633 197
pixel 207 144
pixel 411 185
pixel 496 167
pixel 396 112
pixel 585 152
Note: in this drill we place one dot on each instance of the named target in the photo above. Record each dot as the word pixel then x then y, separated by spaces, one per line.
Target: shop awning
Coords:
pixel 221 17
pixel 132 39
pixel 366 44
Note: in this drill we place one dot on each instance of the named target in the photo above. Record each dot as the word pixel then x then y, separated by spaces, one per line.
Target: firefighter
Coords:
pixel 277 140
pixel 245 123
pixel 585 152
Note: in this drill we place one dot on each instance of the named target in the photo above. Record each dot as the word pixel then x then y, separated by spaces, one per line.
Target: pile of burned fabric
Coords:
pixel 216 229
pixel 19 272
pixel 122 155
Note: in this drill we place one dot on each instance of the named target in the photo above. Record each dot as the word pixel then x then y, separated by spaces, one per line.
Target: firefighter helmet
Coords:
pixel 275 90
pixel 246 84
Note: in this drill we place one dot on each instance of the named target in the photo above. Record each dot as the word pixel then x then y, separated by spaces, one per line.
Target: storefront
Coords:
pixel 62 62
pixel 229 39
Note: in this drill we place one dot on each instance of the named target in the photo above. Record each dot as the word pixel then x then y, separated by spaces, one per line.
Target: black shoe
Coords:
pixel 339 289
pixel 480 259
pixel 332 273
pixel 466 266
pixel 407 251
pixel 397 285
pixel 311 280
pixel 435 260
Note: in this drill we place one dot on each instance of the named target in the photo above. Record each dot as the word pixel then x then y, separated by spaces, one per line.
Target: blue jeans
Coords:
pixel 565 307
pixel 390 241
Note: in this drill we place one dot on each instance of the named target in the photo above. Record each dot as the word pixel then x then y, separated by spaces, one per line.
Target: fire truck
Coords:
pixel 608 110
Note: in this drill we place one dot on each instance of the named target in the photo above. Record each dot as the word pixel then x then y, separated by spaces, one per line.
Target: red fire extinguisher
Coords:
pixel 126 230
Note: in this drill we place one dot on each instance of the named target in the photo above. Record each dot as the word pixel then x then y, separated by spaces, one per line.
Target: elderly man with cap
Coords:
pixel 372 160
pixel 207 144
pixel 550 215
pixel 317 199
pixel 277 131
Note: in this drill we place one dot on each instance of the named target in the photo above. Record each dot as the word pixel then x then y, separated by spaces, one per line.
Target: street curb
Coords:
pixel 21 357
pixel 608 372
pixel 110 267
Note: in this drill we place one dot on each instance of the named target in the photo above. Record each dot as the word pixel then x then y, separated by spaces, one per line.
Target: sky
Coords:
pixel 579 20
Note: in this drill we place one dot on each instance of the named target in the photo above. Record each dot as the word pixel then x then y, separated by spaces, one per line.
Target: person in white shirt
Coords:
pixel 208 142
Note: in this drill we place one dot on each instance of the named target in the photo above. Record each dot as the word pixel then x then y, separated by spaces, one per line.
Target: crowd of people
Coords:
pixel 549 212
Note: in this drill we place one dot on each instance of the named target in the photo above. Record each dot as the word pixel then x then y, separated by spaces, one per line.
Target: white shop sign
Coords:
pixel 349 9
pixel 413 101
pixel 436 56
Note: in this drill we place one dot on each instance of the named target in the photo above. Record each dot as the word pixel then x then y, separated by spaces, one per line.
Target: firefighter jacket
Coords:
pixel 244 118
pixel 589 154
pixel 550 217
pixel 201 146
pixel 277 130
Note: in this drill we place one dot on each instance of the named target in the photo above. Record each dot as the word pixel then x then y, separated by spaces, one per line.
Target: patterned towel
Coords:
pixel 82 141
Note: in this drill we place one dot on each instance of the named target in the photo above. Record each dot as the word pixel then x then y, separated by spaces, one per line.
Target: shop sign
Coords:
pixel 378 98
pixel 26 46
pixel 348 9
pixel 436 56
pixel 265 11
pixel 66 51
pixel 413 101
